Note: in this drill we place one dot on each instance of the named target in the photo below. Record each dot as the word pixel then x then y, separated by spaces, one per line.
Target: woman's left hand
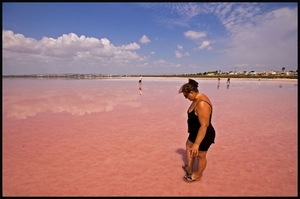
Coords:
pixel 194 150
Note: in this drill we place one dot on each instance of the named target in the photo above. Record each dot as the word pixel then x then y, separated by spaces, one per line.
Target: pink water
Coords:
pixel 105 137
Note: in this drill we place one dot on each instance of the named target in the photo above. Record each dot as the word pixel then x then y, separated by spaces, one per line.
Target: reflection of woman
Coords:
pixel 218 85
pixel 228 84
pixel 201 132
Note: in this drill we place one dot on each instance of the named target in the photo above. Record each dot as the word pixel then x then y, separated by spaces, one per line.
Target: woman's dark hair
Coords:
pixel 192 85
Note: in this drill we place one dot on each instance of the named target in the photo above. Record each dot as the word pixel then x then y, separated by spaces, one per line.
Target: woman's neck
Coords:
pixel 197 96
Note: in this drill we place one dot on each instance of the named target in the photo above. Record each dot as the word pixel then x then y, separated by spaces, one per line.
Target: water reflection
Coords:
pixel 227 85
pixel 140 88
pixel 68 96
pixel 24 98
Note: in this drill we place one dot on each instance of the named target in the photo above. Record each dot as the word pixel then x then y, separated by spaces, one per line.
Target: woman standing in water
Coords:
pixel 140 85
pixel 201 132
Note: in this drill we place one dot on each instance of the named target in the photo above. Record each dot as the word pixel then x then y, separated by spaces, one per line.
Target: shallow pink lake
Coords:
pixel 102 137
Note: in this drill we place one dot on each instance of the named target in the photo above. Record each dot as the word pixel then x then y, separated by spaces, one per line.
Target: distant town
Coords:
pixel 212 74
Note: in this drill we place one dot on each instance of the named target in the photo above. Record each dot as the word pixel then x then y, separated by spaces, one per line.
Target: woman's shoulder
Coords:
pixel 204 100
pixel 203 97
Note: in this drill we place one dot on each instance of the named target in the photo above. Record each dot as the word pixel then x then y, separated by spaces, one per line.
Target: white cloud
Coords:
pixel 144 39
pixel 178 54
pixel 163 64
pixel 132 46
pixel 66 51
pixel 204 45
pixel 194 35
pixel 161 61
pixel 271 39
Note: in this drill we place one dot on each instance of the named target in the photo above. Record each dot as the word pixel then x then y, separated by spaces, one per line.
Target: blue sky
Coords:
pixel 148 38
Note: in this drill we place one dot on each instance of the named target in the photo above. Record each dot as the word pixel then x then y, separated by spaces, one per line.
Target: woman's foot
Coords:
pixel 187 171
pixel 190 178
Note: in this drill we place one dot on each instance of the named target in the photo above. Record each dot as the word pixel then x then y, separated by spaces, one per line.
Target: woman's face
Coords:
pixel 188 95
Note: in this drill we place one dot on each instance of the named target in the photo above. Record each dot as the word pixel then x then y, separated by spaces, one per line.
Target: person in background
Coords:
pixel 201 131
pixel 140 87
pixel 228 83
pixel 228 80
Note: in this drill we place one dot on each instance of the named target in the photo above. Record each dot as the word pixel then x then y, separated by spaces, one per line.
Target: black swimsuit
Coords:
pixel 193 127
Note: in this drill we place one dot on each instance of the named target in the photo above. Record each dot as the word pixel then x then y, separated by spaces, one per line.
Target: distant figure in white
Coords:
pixel 140 85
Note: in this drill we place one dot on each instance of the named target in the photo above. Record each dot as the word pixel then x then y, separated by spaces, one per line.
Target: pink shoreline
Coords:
pixel 215 79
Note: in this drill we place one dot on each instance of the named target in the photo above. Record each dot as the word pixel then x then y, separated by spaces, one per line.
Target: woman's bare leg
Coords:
pixel 202 161
pixel 190 160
